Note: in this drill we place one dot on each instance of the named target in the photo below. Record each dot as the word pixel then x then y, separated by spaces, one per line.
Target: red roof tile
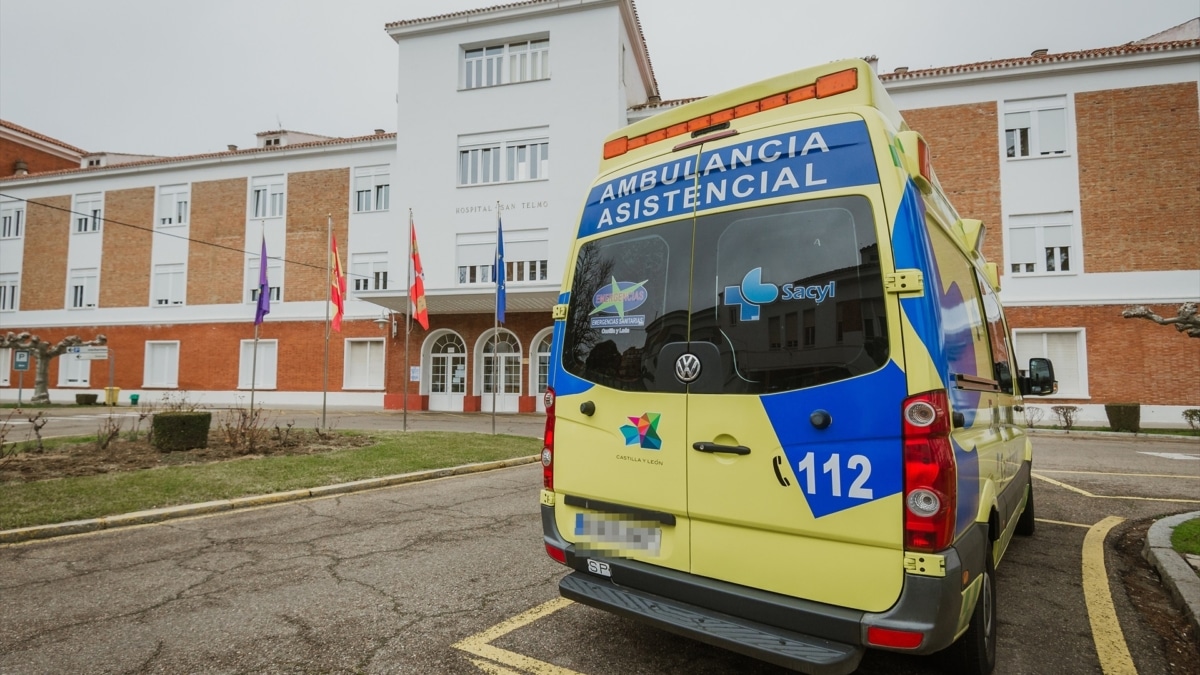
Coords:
pixel 41 137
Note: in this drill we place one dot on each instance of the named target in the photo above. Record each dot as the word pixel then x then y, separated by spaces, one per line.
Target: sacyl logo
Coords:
pixel 753 293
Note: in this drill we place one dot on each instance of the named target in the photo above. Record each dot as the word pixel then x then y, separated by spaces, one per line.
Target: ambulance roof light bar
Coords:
pixel 825 86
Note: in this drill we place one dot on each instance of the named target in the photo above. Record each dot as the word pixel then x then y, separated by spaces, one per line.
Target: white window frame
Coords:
pixel 173 208
pixel 353 375
pixel 10 285
pixel 274 278
pixel 170 285
pixel 166 374
pixel 12 220
pixel 83 288
pixel 1037 142
pixel 513 157
pixel 267 366
pixel 1043 228
pixel 74 373
pixel 1021 359
pixel 368 271
pixel 268 197
pixel 371 189
pixel 504 62
pixel 87 213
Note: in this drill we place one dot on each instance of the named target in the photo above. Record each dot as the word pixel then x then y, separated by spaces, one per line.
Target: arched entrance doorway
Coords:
pixel 539 369
pixel 447 373
pixel 501 372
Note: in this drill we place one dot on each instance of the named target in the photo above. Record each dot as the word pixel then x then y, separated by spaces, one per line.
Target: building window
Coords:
pixel 496 64
pixel 364 364
pixel 5 366
pixel 8 292
pixel 1036 127
pixel 526 257
pixel 1066 349
pixel 369 271
pixel 162 365
pixel 173 205
pixel 89 212
pixel 12 220
pixel 485 158
pixel 168 284
pixel 74 371
pixel 274 278
pixel 266 197
pixel 258 372
pixel 82 288
pixel 372 187
pixel 1042 244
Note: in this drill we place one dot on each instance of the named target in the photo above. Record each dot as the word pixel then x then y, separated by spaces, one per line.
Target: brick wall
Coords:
pixel 312 197
pixel 966 158
pixel 36 160
pixel 1139 177
pixel 218 215
pixel 125 261
pixel 1129 360
pixel 44 273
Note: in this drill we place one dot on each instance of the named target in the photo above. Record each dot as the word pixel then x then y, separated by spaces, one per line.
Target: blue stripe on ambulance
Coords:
pixel 563 383
pixel 943 331
pixel 867 430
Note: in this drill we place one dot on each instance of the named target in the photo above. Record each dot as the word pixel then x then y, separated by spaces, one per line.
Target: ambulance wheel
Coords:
pixel 975 651
pixel 1026 524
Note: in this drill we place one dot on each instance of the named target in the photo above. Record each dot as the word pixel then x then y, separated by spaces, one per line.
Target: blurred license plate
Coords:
pixel 604 531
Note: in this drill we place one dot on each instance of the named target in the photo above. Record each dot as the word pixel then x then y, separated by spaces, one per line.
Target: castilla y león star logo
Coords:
pixel 643 431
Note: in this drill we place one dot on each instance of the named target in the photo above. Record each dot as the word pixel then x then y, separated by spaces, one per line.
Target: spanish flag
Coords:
pixel 416 293
pixel 337 288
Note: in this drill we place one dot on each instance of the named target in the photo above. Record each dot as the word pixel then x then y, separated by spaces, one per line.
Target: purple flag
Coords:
pixel 264 288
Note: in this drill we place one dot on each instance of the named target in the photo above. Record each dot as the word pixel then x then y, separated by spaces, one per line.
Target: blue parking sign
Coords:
pixel 21 360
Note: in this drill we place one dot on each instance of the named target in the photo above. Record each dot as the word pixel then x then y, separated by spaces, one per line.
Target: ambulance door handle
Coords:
pixel 704 446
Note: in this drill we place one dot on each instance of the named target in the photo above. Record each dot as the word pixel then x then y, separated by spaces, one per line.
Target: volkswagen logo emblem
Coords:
pixel 687 368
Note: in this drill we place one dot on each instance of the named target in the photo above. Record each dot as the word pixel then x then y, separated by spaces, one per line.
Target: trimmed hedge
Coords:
pixel 1124 416
pixel 181 430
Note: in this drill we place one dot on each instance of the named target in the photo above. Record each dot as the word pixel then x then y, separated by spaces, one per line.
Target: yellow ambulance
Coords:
pixel 784 415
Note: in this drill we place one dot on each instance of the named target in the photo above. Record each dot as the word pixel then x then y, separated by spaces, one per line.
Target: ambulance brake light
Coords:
pixel 825 86
pixel 548 442
pixel 930 473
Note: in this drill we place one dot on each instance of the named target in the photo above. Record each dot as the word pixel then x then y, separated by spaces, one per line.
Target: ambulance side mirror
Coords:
pixel 1040 380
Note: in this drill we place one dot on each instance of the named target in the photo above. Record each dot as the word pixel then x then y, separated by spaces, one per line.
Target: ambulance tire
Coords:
pixel 1026 524
pixel 975 651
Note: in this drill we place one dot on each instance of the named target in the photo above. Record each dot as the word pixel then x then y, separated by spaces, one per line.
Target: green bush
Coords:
pixel 181 430
pixel 1124 416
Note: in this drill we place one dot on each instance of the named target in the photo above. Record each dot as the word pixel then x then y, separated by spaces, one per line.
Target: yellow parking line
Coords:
pixel 1106 630
pixel 493 669
pixel 1085 493
pixel 1134 475
pixel 1061 522
pixel 478 644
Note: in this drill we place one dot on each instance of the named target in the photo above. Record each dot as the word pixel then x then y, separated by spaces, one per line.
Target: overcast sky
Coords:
pixel 168 77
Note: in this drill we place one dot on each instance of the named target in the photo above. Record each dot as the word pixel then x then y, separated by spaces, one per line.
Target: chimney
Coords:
pixel 231 147
pixel 654 100
pixel 900 70
pixel 379 132
pixel 20 168
pixel 873 62
pixel 1040 52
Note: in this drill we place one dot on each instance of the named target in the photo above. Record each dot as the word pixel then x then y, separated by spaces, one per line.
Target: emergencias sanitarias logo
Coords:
pixel 617 299
pixel 643 431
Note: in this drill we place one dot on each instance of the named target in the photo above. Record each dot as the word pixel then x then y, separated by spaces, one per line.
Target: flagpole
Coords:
pixel 408 315
pixel 328 300
pixel 254 357
pixel 496 320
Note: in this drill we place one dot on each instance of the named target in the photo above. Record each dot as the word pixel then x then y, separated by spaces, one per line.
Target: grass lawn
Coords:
pixel 1186 537
pixel 41 502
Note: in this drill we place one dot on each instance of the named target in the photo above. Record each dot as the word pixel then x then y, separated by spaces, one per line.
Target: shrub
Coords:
pixel 1066 415
pixel 1192 417
pixel 1033 416
pixel 1124 416
pixel 181 430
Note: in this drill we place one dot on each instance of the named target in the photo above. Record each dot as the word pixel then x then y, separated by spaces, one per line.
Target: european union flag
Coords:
pixel 499 273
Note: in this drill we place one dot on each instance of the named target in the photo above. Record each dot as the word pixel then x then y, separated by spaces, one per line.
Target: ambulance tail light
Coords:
pixel 548 444
pixel 930 475
pixel 894 639
pixel 825 86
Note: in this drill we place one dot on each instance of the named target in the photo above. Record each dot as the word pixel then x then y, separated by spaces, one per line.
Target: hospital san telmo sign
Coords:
pixel 509 206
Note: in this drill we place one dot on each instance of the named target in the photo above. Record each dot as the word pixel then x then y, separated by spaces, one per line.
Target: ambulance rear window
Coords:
pixel 790 294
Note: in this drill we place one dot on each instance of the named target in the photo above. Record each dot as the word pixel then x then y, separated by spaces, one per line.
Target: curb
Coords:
pixel 187 510
pixel 1177 575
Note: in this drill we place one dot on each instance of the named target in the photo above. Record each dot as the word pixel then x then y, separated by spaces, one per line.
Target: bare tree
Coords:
pixel 1185 321
pixel 45 351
